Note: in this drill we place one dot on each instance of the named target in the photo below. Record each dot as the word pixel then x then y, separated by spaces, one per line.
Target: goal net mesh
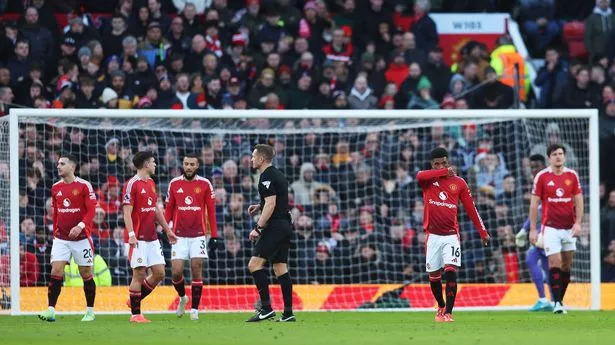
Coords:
pixel 357 209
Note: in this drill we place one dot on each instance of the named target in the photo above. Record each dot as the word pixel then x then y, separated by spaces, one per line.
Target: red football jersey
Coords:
pixel 557 195
pixel 142 196
pixel 72 204
pixel 190 204
pixel 441 195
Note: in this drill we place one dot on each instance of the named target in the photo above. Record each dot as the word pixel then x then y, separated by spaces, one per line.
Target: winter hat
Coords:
pixel 85 50
pixel 424 83
pixel 108 94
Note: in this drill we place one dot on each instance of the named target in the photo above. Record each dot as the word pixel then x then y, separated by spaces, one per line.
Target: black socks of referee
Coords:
pixel 287 292
pixel 450 275
pixel 555 278
pixel 262 285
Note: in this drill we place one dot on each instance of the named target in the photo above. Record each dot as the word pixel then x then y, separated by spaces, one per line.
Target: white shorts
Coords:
pixel 146 254
pixel 189 248
pixel 442 250
pixel 556 241
pixel 82 251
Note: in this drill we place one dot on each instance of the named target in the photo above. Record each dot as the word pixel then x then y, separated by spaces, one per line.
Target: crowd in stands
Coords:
pixel 358 210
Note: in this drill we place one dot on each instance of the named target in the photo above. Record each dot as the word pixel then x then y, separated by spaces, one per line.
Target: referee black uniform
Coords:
pixel 274 242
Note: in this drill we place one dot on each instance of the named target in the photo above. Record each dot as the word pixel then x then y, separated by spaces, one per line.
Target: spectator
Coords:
pixel 112 40
pixel 582 93
pixel 19 64
pixel 199 5
pixel 311 26
pixel 552 74
pixel 398 70
pixel 366 30
pixel 553 136
pixel 361 96
pixel 598 27
pixel 300 96
pixel 422 99
pixel 115 254
pixel 41 41
pixel 437 72
pixel 503 60
pixel 423 27
pixel 495 94
pixel 157 15
pixel 539 23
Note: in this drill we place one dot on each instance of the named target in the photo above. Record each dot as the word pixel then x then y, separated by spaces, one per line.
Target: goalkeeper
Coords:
pixel 536 258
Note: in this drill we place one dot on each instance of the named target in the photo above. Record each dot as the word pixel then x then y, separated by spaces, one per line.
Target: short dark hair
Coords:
pixel 439 152
pixel 554 148
pixel 538 158
pixel 141 157
pixel 265 150
pixel 70 158
pixel 192 155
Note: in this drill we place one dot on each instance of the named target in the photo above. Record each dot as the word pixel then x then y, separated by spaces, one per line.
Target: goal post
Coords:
pixel 349 284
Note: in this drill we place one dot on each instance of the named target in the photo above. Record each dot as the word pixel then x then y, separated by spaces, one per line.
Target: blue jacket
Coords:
pixel 548 80
pixel 534 9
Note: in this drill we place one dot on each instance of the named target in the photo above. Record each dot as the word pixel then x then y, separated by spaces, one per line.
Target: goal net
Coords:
pixel 357 208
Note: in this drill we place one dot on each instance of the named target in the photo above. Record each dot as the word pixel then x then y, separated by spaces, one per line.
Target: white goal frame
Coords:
pixel 458 115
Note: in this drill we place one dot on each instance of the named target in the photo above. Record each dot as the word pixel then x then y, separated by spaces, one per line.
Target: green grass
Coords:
pixel 492 328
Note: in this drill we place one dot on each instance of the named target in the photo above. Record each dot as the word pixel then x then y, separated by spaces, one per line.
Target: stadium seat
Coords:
pixel 573 36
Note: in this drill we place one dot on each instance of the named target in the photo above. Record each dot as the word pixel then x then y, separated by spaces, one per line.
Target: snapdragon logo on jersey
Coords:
pixel 188 201
pixel 67 209
pixel 560 193
pixel 443 196
pixel 151 208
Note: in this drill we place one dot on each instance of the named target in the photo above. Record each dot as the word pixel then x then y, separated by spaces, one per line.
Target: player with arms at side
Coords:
pixel 191 209
pixel 442 190
pixel 535 258
pixel 272 234
pixel 558 189
pixel 74 204
pixel 141 212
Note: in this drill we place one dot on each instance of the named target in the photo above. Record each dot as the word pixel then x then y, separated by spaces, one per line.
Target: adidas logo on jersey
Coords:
pixel 551 183
pixel 143 191
pixel 437 184
pixel 60 193
pixel 266 184
pixel 180 190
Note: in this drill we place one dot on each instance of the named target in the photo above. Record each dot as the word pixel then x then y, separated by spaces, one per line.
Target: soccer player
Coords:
pixel 191 209
pixel 141 212
pixel 74 204
pixel 558 189
pixel 272 235
pixel 442 190
pixel 535 258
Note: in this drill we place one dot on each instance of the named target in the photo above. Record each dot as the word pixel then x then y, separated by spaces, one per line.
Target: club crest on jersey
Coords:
pixel 568 182
pixel 188 200
pixel 453 187
pixel 66 202
pixel 266 184
pixel 559 192
pixel 75 192
pixel 149 202
pixel 139 260
pixel 197 190
pixel 443 196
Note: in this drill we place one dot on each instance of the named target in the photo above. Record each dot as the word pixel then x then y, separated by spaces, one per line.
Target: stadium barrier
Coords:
pixel 312 297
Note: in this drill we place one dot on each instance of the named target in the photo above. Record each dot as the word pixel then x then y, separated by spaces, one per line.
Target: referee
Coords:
pixel 272 235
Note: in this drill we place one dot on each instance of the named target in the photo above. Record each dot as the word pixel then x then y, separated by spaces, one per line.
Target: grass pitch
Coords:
pixel 385 328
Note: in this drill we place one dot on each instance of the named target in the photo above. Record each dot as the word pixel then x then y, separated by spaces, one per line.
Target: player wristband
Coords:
pixel 131 234
pixel 81 225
